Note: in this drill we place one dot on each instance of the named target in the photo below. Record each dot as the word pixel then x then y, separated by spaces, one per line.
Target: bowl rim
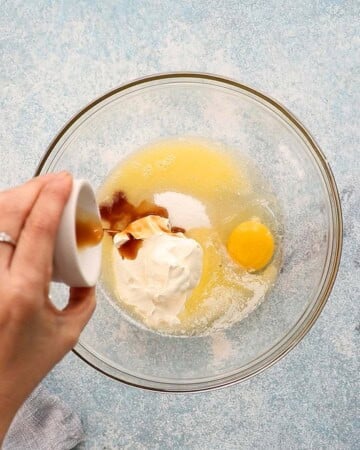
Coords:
pixel 303 325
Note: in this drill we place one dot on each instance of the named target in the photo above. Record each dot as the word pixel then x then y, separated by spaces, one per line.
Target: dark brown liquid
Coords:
pixel 130 249
pixel 88 230
pixel 177 230
pixel 119 213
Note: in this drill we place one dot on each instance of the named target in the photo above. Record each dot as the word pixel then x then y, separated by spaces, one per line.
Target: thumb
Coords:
pixel 79 309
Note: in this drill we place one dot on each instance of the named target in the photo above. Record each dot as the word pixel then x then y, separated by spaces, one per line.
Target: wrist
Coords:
pixel 13 393
pixel 8 409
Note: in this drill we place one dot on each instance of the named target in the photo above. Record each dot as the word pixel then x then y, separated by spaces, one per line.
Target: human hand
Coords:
pixel 34 334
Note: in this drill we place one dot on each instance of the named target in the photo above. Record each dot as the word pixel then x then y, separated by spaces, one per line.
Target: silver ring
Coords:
pixel 6 239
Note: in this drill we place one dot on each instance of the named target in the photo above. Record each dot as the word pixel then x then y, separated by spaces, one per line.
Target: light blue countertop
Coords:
pixel 56 56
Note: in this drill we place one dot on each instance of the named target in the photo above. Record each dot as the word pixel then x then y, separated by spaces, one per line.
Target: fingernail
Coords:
pixel 61 178
pixel 45 176
pixel 63 174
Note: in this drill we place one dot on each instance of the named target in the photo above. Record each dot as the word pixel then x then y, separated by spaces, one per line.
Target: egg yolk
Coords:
pixel 251 245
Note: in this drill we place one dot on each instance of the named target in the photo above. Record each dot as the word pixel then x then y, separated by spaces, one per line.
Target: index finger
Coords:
pixel 15 206
pixel 33 255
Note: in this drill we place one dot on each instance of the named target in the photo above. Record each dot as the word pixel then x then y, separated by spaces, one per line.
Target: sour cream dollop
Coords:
pixel 161 278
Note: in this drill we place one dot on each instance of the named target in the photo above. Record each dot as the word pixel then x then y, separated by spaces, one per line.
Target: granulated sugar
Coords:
pixel 184 211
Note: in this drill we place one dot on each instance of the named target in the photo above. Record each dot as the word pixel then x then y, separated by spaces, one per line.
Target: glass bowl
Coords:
pixel 227 112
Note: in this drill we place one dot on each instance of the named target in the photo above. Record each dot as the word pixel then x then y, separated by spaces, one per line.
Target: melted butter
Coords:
pixel 186 166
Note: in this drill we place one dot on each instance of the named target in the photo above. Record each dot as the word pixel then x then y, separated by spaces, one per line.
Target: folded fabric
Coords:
pixel 44 422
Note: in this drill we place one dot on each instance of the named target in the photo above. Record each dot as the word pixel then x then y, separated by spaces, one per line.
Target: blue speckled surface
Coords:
pixel 57 56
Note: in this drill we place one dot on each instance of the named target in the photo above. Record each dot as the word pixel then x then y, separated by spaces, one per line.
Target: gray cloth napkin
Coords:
pixel 44 422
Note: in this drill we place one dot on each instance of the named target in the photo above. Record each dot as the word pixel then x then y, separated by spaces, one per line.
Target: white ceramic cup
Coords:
pixel 74 266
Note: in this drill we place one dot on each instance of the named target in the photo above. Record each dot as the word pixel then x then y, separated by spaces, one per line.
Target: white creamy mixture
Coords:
pixel 160 279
